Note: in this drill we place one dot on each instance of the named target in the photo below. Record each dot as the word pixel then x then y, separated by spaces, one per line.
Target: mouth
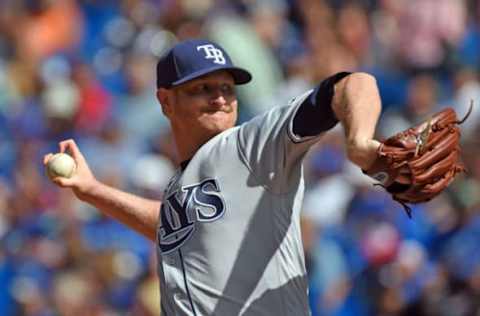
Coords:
pixel 224 109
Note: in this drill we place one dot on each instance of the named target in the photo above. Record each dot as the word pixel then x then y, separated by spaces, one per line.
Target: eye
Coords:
pixel 203 88
pixel 227 89
pixel 200 89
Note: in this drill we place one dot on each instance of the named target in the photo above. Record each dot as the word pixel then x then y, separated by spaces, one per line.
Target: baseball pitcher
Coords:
pixel 227 232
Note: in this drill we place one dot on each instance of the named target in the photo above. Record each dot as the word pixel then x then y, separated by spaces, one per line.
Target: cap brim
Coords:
pixel 240 75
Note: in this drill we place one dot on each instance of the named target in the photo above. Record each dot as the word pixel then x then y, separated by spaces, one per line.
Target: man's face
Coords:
pixel 206 105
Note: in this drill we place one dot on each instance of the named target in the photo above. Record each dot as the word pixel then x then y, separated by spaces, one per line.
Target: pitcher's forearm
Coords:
pixel 357 105
pixel 136 212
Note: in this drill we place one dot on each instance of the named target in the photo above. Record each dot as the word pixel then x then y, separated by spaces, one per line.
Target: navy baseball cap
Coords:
pixel 191 59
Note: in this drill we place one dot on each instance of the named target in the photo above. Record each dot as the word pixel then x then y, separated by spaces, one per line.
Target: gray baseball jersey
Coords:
pixel 228 238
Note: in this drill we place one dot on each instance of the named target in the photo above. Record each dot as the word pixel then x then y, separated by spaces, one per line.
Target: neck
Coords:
pixel 188 144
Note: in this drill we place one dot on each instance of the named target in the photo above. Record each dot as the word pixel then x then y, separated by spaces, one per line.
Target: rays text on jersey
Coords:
pixel 181 210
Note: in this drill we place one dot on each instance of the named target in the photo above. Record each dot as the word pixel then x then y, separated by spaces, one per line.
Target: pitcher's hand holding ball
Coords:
pixel 60 165
pixel 69 171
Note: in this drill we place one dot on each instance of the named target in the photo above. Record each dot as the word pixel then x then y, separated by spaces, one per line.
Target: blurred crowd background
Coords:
pixel 86 70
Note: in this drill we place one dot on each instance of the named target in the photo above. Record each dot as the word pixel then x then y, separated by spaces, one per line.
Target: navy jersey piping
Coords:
pixel 186 284
pixel 184 164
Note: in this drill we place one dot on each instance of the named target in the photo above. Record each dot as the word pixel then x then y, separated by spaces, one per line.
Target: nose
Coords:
pixel 218 98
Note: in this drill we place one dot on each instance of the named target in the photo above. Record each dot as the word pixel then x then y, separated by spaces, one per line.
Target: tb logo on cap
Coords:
pixel 212 53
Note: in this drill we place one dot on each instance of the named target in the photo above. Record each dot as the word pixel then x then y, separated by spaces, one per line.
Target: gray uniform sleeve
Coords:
pixel 271 150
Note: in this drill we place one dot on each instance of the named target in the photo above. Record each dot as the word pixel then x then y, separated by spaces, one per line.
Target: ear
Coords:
pixel 165 99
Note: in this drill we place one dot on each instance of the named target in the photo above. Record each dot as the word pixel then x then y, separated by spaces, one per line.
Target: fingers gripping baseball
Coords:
pixel 76 175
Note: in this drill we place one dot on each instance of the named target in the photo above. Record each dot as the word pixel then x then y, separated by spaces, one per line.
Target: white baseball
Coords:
pixel 61 165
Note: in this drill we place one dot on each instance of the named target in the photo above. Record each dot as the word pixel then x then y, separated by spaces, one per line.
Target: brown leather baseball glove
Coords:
pixel 417 164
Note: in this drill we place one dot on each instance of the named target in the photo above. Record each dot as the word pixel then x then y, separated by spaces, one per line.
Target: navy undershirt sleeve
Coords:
pixel 315 114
